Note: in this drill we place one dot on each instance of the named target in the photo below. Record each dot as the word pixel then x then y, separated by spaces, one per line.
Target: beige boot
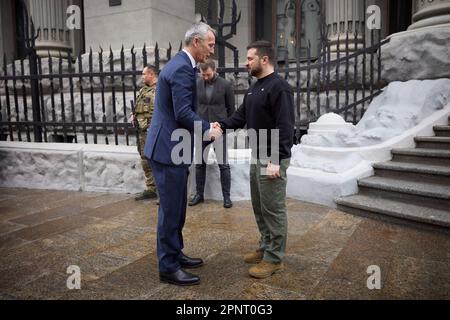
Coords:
pixel 265 269
pixel 254 257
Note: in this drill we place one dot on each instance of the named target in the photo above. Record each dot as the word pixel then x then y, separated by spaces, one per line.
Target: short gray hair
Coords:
pixel 199 29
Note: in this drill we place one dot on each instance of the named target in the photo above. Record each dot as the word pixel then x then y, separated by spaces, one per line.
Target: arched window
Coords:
pixel 290 25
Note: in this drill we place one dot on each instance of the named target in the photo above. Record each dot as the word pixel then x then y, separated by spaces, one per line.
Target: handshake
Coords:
pixel 215 132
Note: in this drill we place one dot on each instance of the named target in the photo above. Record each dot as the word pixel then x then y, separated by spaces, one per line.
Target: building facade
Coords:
pixel 114 23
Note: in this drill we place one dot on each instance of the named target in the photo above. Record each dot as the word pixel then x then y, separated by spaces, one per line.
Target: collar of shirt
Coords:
pixel 212 81
pixel 153 85
pixel 194 64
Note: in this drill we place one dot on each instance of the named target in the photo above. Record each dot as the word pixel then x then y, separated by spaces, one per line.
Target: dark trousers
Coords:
pixel 171 182
pixel 220 148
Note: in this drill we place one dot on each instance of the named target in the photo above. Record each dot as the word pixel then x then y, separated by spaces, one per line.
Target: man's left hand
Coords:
pixel 132 119
pixel 273 171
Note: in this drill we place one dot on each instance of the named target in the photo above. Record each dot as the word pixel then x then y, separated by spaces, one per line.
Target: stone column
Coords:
pixel 430 13
pixel 50 16
pixel 350 15
pixel 344 16
pixel 7 32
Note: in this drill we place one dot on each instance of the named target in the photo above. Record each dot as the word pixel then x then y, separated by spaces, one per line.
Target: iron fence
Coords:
pixel 87 98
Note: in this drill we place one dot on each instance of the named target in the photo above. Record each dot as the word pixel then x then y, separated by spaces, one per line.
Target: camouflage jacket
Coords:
pixel 145 103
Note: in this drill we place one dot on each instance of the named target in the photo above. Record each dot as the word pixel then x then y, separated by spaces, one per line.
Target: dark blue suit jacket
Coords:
pixel 175 108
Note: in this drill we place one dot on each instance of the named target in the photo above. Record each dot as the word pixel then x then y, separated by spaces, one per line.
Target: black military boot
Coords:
pixel 198 198
pixel 146 195
pixel 200 178
pixel 227 203
pixel 225 180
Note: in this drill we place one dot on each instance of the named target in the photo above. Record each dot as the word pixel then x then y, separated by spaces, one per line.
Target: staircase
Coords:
pixel 414 186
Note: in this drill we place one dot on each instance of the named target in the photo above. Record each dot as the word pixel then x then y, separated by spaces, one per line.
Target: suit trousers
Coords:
pixel 171 182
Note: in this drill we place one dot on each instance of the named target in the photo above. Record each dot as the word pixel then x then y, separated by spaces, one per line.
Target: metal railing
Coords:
pixel 86 99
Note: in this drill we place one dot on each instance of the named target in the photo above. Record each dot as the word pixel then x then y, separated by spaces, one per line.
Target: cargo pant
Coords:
pixel 269 207
pixel 149 180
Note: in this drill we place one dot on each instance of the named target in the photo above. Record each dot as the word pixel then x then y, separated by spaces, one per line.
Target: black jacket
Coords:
pixel 221 104
pixel 268 104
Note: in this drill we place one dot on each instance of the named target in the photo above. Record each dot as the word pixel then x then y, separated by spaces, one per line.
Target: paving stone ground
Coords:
pixel 111 237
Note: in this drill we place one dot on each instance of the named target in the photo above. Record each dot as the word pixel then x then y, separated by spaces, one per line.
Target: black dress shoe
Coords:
pixel 196 200
pixel 227 203
pixel 179 278
pixel 190 263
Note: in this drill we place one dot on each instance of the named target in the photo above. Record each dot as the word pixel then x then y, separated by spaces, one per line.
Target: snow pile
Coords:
pixel 401 106
pixel 337 163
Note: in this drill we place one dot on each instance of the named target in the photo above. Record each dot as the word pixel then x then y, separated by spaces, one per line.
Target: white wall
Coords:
pixel 59 166
pixel 136 22
pixel 70 167
pixel 170 20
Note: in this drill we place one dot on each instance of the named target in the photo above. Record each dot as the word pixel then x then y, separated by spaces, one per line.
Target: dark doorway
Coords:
pixel 400 15
pixel 21 14
pixel 263 20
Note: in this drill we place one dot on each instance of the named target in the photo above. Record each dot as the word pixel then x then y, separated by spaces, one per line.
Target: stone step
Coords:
pixel 442 131
pixel 413 172
pixel 429 194
pixel 433 142
pixel 422 156
pixel 363 204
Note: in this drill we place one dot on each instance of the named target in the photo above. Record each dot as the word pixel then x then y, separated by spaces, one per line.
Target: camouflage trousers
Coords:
pixel 149 180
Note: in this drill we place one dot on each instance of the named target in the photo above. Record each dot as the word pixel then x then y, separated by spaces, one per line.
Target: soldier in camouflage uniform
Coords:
pixel 144 111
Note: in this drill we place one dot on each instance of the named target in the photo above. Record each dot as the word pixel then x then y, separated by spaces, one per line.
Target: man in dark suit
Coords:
pixel 173 118
pixel 215 103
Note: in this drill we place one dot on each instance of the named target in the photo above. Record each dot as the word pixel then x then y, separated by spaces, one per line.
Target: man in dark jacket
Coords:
pixel 215 103
pixel 268 108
